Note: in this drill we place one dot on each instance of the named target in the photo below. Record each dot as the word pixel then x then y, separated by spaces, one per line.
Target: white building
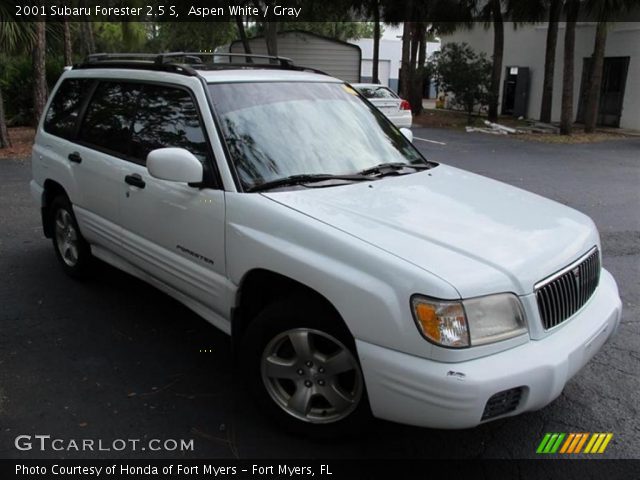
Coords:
pixel 336 58
pixel 525 49
pixel 389 57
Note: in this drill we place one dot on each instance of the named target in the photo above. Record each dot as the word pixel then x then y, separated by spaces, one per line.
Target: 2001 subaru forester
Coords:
pixel 354 276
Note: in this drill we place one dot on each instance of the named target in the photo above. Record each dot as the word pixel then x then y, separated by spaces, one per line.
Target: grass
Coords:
pixel 458 121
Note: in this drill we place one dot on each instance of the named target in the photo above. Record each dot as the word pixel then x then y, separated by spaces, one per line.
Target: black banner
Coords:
pixel 390 11
pixel 322 469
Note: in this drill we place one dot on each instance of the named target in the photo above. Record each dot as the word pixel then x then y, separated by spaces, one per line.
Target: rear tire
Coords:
pixel 72 250
pixel 300 363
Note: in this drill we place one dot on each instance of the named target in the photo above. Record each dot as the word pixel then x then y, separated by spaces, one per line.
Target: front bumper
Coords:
pixel 417 391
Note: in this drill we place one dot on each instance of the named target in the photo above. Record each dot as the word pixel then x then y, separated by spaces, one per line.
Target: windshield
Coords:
pixel 274 130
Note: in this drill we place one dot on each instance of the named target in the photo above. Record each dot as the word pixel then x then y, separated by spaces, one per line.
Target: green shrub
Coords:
pixel 16 81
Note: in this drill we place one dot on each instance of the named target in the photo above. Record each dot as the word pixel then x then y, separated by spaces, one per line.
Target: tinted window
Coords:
pixel 167 117
pixel 109 116
pixel 65 108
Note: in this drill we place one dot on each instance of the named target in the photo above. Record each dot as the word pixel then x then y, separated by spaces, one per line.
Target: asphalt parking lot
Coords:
pixel 114 358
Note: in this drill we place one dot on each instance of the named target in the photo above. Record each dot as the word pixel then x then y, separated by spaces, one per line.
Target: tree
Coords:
pixel 375 6
pixel 595 79
pixel 555 9
pixel 405 66
pixel 493 10
pixel 12 35
pixel 566 116
pixel 464 73
pixel 66 32
pixel 39 71
pixel 243 36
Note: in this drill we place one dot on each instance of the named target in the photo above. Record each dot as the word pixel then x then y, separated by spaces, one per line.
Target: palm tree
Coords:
pixel 566 116
pixel 595 78
pixel 494 10
pixel 243 37
pixel 39 71
pixel 375 6
pixel 555 9
pixel 66 39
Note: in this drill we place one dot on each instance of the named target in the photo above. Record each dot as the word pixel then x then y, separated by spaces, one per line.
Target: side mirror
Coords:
pixel 408 134
pixel 175 165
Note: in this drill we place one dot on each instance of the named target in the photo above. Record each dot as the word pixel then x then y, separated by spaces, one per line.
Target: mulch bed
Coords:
pixel 21 143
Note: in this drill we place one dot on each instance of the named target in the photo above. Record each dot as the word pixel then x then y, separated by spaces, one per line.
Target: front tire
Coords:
pixel 71 248
pixel 300 363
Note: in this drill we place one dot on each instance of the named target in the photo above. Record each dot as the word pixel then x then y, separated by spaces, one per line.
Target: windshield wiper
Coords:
pixel 392 167
pixel 304 178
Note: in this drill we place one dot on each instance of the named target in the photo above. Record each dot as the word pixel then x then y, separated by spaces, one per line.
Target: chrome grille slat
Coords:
pixel 563 294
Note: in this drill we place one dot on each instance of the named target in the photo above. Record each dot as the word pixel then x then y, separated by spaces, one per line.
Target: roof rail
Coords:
pixel 248 57
pixel 187 63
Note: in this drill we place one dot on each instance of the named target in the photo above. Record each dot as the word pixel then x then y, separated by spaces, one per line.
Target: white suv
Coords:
pixel 353 275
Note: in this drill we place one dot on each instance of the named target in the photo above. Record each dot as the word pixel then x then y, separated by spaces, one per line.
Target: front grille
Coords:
pixel 502 402
pixel 564 293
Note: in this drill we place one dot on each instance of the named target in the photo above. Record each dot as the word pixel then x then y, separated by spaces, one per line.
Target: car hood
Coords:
pixel 480 235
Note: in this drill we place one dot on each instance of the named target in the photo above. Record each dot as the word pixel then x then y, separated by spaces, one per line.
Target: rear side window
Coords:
pixel 107 123
pixel 167 117
pixel 63 113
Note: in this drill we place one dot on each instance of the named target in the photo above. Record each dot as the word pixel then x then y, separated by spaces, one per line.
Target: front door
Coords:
pixel 173 231
pixel 614 79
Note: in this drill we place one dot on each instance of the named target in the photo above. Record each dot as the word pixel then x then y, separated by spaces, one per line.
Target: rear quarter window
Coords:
pixel 62 117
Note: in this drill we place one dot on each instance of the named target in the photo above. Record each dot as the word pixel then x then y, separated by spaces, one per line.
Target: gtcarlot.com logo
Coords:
pixel 48 443
pixel 574 443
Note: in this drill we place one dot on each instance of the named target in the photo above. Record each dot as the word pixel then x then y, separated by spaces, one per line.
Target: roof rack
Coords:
pixel 187 63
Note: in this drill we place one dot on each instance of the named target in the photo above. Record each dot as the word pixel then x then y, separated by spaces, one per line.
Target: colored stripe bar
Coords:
pixel 543 443
pixel 572 443
pixel 550 443
pixel 554 449
pixel 582 442
pixel 567 442
pixel 576 440
pixel 592 441
pixel 605 443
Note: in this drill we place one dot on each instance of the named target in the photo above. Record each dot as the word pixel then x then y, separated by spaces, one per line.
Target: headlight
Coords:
pixel 476 321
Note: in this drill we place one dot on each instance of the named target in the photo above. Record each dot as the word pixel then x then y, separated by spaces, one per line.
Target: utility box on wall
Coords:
pixel 515 91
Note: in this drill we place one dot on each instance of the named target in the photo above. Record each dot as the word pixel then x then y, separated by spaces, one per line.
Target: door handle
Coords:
pixel 135 180
pixel 75 157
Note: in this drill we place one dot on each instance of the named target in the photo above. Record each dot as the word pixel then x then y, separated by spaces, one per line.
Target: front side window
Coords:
pixel 107 123
pixel 167 117
pixel 278 129
pixel 64 110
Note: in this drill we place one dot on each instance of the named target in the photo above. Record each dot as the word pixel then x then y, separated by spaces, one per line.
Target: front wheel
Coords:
pixel 300 364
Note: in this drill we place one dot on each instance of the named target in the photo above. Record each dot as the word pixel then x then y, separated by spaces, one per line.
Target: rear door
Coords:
pixel 94 157
pixel 174 231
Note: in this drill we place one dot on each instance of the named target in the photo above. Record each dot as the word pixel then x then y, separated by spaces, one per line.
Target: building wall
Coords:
pixel 390 51
pixel 338 59
pixel 525 47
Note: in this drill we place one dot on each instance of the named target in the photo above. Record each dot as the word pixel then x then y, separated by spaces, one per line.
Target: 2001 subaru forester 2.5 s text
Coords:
pixel 354 276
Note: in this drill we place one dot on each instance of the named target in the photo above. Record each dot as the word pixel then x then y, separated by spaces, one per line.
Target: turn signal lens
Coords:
pixel 443 323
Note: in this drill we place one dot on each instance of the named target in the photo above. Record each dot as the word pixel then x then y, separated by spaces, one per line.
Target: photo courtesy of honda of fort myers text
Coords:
pixel 338 239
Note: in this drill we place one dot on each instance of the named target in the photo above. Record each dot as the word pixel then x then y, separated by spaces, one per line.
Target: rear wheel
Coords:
pixel 71 248
pixel 299 361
